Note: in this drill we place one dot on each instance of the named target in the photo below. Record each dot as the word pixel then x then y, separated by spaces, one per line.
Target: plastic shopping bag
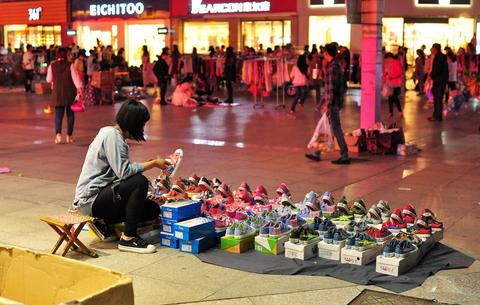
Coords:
pixel 322 138
pixel 386 90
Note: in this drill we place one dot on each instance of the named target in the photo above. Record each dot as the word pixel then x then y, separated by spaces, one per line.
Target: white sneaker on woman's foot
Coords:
pixel 136 245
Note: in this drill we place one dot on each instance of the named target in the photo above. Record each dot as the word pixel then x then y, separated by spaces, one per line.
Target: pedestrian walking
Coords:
pixel 439 76
pixel 334 96
pixel 66 84
pixel 28 64
pixel 393 78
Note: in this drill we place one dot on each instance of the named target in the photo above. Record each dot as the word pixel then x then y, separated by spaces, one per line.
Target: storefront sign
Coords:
pixel 39 12
pixel 34 13
pixel 162 31
pixel 198 7
pixel 118 9
pixel 327 2
pixel 443 2
pixel 125 9
pixel 71 33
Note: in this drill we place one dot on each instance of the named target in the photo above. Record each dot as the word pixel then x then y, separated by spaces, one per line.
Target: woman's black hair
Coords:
pixel 132 117
pixel 302 64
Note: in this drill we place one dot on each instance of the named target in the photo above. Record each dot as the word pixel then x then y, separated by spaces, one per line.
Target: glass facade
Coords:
pixel 17 35
pixel 202 35
pixel 326 29
pixel 139 35
pixel 267 33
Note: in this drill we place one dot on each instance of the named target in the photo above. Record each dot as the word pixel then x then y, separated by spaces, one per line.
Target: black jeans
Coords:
pixel 438 91
pixel 334 116
pixel 132 208
pixel 230 90
pixel 59 113
pixel 302 94
pixel 162 84
pixel 28 80
pixel 394 99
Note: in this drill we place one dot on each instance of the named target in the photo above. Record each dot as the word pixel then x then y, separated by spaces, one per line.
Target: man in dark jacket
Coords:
pixel 161 72
pixel 334 95
pixel 439 76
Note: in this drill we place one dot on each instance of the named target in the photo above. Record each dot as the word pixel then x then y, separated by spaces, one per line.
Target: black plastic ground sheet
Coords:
pixel 441 257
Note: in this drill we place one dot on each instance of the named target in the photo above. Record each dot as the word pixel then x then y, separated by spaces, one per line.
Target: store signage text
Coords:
pixel 34 14
pixel 117 9
pixel 198 7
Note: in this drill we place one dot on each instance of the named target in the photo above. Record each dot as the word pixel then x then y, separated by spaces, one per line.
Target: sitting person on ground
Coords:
pixel 203 90
pixel 111 188
pixel 183 94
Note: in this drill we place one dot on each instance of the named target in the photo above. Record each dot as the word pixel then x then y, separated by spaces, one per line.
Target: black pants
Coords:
pixel 28 80
pixel 394 99
pixel 302 94
pixel 334 116
pixel 162 84
pixel 229 90
pixel 132 208
pixel 59 113
pixel 450 87
pixel 438 91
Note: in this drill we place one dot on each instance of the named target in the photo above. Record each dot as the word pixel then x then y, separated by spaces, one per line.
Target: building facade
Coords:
pixel 39 23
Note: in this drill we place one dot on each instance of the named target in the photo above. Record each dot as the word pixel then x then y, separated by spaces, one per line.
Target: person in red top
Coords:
pixel 393 77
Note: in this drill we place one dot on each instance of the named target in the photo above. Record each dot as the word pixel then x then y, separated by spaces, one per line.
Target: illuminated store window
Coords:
pixel 89 38
pixel 478 38
pixel 392 33
pixel 204 34
pixel 455 34
pixel 267 33
pixel 139 35
pixel 326 29
pixel 18 35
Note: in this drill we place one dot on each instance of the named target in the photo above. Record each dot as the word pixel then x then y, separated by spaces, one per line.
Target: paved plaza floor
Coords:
pixel 260 146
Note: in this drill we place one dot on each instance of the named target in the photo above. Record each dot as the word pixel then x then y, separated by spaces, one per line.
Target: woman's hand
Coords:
pixel 161 163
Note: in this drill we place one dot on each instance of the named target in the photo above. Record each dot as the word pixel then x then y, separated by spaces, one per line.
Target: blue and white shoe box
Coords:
pixel 168 240
pixel 194 228
pixel 196 235
pixel 198 245
pixel 181 210
pixel 171 214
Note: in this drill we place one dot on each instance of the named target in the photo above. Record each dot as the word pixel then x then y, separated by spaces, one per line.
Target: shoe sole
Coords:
pixel 137 250
pixel 179 161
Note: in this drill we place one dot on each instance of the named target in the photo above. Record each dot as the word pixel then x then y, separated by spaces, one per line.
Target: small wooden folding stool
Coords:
pixel 64 225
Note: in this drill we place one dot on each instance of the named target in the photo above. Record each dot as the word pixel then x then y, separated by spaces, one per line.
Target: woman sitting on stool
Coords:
pixel 112 188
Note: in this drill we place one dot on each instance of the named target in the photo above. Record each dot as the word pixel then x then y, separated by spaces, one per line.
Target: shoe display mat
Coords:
pixel 441 257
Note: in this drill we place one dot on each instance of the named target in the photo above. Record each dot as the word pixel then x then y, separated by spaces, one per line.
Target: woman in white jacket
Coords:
pixel 393 77
pixel 299 76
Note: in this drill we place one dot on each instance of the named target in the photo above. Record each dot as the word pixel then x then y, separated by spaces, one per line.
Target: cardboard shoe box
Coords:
pixel 194 228
pixel 168 240
pixel 300 251
pixel 355 257
pixel 181 210
pixel 353 143
pixel 42 88
pixel 270 245
pixel 167 226
pixel 33 278
pixel 237 246
pixel 398 266
pixel 330 251
pixel 198 245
